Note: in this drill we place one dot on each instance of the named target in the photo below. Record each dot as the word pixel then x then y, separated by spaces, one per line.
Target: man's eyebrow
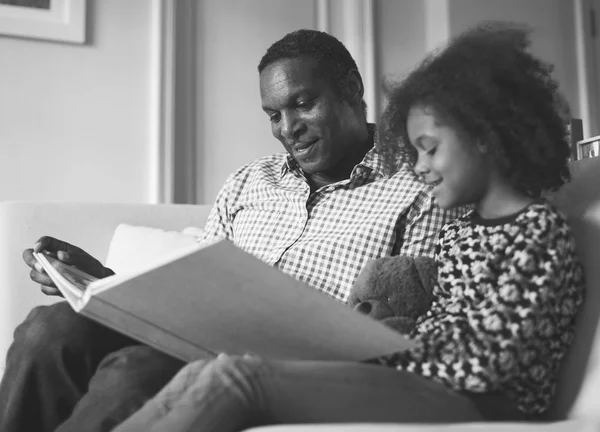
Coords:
pixel 291 98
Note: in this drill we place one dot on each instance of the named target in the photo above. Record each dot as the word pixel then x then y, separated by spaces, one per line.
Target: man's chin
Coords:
pixel 307 156
pixel 309 167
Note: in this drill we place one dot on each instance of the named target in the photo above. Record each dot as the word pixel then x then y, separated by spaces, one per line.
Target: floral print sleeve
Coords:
pixel 504 309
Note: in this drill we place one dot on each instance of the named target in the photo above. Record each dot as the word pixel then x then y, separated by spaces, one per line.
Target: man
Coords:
pixel 318 212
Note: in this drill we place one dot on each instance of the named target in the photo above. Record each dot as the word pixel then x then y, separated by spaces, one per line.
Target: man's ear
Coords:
pixel 354 88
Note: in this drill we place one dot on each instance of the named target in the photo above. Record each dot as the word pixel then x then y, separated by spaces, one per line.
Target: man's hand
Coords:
pixel 66 253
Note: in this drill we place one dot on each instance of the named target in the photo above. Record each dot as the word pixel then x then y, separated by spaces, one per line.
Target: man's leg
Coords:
pixel 230 394
pixel 54 354
pixel 124 381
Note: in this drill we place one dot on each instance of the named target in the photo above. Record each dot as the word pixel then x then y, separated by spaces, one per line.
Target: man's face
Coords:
pixel 307 116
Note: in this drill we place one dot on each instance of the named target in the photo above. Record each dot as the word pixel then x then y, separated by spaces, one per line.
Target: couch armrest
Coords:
pixel 576 425
pixel 87 225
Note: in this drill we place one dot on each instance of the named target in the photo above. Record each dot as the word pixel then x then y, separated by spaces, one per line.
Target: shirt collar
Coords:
pixel 374 159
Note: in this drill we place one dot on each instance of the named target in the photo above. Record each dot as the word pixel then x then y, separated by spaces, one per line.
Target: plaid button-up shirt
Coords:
pixel 325 238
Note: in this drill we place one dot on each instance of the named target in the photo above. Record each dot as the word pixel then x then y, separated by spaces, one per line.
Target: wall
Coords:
pixel 84 124
pixel 553 37
pixel 232 129
pixel 409 28
pixel 401 37
pixel 234 34
pixel 74 119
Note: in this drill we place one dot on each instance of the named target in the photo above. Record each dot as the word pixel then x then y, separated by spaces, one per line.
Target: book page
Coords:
pixel 70 281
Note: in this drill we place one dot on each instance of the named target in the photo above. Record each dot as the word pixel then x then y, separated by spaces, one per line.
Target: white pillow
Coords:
pixel 193 231
pixel 133 247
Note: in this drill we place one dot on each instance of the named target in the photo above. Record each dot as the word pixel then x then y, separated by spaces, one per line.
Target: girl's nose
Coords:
pixel 420 167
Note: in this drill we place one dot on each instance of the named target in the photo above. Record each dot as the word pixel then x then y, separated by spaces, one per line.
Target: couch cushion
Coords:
pixel 579 384
pixel 563 426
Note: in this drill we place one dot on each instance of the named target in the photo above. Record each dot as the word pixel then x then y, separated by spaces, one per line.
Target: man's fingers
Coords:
pixel 68 258
pixel 51 291
pixel 29 258
pixel 31 261
pixel 68 254
pixel 80 260
pixel 47 243
pixel 83 261
pixel 41 278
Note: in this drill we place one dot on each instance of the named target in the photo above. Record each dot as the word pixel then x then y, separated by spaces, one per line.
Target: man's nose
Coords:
pixel 289 126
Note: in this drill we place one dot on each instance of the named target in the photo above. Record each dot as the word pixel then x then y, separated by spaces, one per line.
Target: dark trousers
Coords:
pixel 67 373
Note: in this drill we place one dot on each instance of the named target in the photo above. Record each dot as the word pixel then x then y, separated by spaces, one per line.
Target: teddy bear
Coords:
pixel 395 290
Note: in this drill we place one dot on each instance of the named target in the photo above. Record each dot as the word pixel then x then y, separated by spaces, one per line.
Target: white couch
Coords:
pixel 91 226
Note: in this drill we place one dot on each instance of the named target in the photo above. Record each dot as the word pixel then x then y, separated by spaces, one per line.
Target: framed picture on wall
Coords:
pixel 588 148
pixel 55 20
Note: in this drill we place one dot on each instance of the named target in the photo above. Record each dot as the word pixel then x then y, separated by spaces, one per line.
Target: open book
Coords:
pixel 201 301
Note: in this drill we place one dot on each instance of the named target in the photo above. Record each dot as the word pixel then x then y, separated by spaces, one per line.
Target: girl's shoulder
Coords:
pixel 544 216
pixel 539 212
pixel 541 226
pixel 539 220
pixel 543 208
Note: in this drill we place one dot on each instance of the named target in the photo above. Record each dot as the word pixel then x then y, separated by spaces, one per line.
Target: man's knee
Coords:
pixel 49 327
pixel 138 356
pixel 138 364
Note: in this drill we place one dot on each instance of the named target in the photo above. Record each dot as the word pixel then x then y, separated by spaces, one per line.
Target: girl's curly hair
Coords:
pixel 486 84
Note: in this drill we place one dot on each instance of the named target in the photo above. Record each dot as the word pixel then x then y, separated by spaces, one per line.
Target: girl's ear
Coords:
pixel 482 146
pixel 487 143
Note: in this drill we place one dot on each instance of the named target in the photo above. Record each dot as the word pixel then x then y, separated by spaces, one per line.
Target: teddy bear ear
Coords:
pixel 362 283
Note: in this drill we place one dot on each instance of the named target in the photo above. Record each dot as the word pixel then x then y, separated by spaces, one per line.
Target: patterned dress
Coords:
pixel 504 310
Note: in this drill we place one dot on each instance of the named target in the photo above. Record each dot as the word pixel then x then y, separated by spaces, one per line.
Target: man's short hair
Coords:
pixel 331 58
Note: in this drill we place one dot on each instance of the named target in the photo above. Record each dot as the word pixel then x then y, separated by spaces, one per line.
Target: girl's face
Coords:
pixel 457 168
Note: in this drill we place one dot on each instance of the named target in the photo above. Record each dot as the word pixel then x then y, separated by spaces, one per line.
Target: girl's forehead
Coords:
pixel 429 112
pixel 424 118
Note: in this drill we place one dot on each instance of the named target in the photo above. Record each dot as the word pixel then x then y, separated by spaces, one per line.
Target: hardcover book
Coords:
pixel 202 301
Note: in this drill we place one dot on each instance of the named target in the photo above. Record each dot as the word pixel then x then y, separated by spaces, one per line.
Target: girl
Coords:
pixel 481 123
